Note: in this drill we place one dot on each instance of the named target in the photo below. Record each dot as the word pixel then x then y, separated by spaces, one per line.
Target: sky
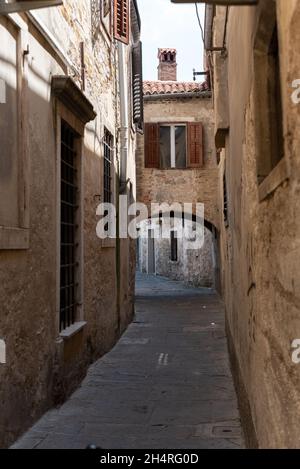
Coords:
pixel 166 24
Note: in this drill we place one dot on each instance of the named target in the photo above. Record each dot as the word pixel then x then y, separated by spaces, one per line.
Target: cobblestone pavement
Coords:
pixel 166 384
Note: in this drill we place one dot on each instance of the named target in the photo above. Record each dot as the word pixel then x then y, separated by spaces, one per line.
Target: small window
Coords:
pixel 225 201
pixel 174 246
pixel 275 102
pixel 172 146
pixel 268 101
pixel 14 194
pixel 108 166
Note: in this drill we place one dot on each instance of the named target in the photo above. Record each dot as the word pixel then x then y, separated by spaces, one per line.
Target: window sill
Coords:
pixel 69 332
pixel 14 238
pixel 277 176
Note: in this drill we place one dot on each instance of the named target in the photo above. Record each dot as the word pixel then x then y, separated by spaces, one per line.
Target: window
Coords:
pixel 174 246
pixel 271 165
pixel 225 201
pixel 106 16
pixel 275 102
pixel 101 14
pixel 69 223
pixel 14 200
pixel 10 127
pixel 171 146
pixel 121 20
pixel 108 162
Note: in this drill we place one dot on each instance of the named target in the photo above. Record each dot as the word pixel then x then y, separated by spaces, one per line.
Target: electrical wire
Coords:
pixel 199 21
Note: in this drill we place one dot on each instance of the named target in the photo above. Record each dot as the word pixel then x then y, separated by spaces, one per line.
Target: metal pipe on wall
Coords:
pixel 123 117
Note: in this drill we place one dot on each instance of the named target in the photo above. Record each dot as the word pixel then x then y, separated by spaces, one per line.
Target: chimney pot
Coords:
pixel 167 67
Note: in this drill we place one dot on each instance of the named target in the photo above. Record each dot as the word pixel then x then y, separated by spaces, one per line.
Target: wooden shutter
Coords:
pixel 195 145
pixel 137 85
pixel 121 20
pixel 151 145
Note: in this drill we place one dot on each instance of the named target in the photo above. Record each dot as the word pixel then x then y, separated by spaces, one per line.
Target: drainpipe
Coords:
pixel 208 40
pixel 123 86
pixel 122 175
pixel 209 15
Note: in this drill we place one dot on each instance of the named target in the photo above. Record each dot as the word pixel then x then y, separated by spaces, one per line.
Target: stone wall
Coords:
pixel 260 247
pixel 42 368
pixel 194 266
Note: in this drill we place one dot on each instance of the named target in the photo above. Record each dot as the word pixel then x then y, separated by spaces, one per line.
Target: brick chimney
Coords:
pixel 167 68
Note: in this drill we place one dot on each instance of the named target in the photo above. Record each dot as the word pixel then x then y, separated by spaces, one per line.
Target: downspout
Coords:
pixel 209 14
pixel 208 40
pixel 122 174
pixel 124 118
pixel 117 192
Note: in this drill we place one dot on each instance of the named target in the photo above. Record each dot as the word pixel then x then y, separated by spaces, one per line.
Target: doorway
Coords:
pixel 151 252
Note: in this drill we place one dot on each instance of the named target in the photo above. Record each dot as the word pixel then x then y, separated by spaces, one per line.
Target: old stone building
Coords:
pixel 68 126
pixel 176 163
pixel 256 69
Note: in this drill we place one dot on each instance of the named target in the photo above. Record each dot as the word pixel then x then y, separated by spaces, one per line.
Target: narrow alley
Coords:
pixel 149 225
pixel 166 384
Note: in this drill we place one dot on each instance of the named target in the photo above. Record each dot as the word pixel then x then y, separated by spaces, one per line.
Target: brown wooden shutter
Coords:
pixel 137 85
pixel 121 20
pixel 195 145
pixel 151 145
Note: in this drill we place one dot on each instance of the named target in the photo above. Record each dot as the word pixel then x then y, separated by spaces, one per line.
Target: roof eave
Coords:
pixel 166 96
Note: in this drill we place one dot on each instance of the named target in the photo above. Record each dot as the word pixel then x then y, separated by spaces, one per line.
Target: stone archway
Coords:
pixel 173 259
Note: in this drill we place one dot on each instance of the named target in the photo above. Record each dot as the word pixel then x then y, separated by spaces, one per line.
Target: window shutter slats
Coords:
pixel 151 146
pixel 195 145
pixel 137 84
pixel 121 20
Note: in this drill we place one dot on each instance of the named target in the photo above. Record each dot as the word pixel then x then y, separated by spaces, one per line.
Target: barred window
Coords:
pixel 174 246
pixel 108 165
pixel 69 227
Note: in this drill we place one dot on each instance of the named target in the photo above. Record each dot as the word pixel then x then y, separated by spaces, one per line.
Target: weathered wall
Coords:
pixel 260 248
pixel 42 368
pixel 182 186
pixel 194 266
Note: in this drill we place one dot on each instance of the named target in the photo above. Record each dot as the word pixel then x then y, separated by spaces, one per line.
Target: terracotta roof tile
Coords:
pixel 173 87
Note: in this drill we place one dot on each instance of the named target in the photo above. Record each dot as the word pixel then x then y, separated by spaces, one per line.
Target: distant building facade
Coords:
pixel 176 163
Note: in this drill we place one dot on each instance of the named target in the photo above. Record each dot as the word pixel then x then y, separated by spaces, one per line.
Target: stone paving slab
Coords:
pixel 166 384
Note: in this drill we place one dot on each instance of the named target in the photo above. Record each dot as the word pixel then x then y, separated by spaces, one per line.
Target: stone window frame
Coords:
pixel 268 178
pixel 63 114
pixel 17 238
pixel 109 242
pixel 98 24
pixel 70 105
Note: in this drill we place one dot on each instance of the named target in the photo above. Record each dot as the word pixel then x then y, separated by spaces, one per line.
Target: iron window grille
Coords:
pixel 174 246
pixel 69 227
pixel 108 165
